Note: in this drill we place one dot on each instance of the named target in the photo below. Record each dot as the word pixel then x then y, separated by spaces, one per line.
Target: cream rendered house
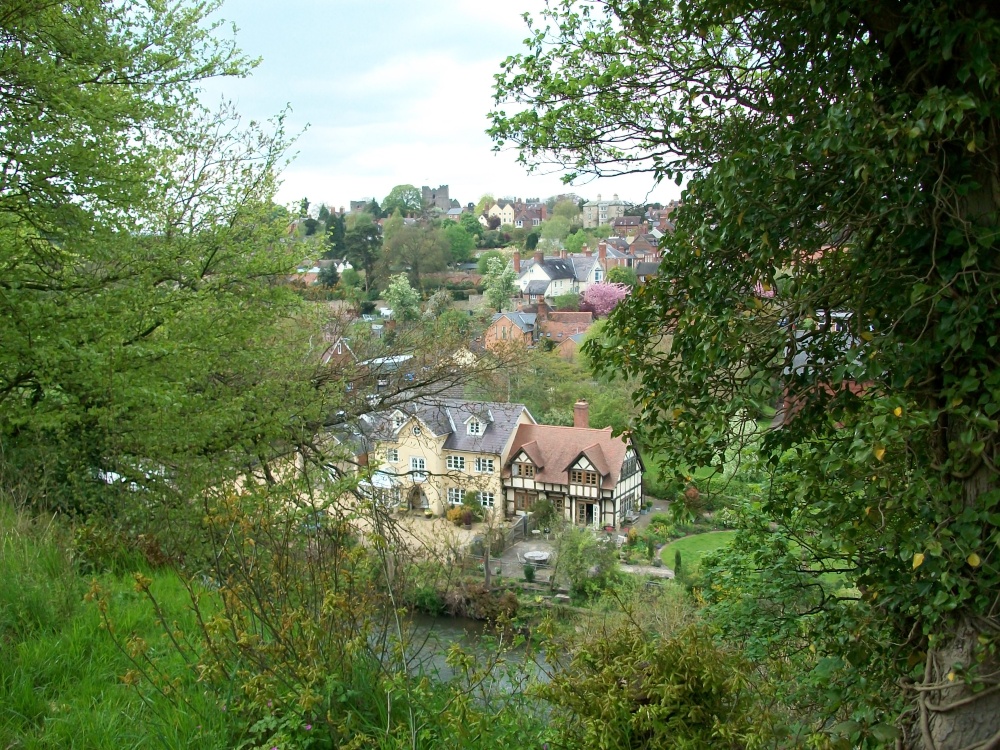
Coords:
pixel 431 454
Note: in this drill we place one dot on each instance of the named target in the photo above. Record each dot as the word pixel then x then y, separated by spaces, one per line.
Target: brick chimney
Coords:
pixel 562 253
pixel 517 261
pixel 602 253
pixel 539 256
pixel 581 414
pixel 587 252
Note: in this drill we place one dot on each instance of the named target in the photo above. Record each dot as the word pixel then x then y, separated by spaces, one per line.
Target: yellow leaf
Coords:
pixel 697 253
pixel 974 560
pixel 898 411
pixel 867 335
pixel 918 560
pixel 868 510
pixel 951 677
pixel 971 145
pixel 879 452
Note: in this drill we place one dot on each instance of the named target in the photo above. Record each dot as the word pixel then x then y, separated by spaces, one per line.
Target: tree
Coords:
pixel 531 241
pixel 139 243
pixel 470 223
pixel 567 301
pixel 555 229
pixel 363 246
pixel 623 275
pixel 499 283
pixel 328 276
pixel 416 250
pixel 402 298
pixel 846 151
pixel 574 243
pixel 567 209
pixel 605 296
pixel 483 261
pixel 484 204
pixel 462 244
pixel 403 198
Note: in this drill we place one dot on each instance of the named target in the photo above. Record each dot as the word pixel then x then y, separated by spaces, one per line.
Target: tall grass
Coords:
pixel 60 671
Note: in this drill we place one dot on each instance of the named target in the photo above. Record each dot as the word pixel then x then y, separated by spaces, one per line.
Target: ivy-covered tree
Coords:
pixel 845 153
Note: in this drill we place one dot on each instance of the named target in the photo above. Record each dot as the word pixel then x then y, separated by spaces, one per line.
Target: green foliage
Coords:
pixel 569 301
pixel 328 276
pixel 415 250
pixel 623 275
pixel 589 565
pixel 554 230
pixel 631 689
pixel 406 199
pixel 483 261
pixel 402 298
pixel 866 199
pixel 462 244
pixel 529 573
pixel 499 284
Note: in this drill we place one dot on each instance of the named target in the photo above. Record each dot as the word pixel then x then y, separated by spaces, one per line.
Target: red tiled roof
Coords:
pixel 554 449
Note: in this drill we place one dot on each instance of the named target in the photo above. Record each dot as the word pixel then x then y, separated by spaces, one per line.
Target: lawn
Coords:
pixel 693 547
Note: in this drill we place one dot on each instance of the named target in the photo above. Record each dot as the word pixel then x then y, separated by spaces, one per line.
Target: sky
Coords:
pixel 385 92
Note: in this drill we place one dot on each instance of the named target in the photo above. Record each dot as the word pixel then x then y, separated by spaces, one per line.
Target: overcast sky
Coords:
pixel 391 92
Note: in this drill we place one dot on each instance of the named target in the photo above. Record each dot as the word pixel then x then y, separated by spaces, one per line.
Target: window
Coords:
pixel 392 455
pixel 598 275
pixel 416 431
pixel 485 499
pixel 418 466
pixel 525 470
pixel 484 465
pixel 475 427
pixel 578 476
pixel 397 421
pixel 455 495
pixel 456 462
pixel 524 500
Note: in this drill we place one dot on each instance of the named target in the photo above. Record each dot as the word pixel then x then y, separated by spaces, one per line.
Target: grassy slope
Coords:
pixel 60 672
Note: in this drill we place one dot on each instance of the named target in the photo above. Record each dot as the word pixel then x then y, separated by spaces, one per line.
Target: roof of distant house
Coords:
pixel 524 321
pixel 451 417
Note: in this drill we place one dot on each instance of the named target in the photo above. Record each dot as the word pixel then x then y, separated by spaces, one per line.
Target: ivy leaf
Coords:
pixel 918 560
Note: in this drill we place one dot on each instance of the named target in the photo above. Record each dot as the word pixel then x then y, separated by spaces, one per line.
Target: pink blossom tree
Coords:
pixel 605 296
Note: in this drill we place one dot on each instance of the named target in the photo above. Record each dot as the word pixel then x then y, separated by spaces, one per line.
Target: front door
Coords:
pixel 585 513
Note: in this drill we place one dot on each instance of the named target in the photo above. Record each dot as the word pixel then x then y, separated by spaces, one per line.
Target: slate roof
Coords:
pixel 647 268
pixel 524 321
pixel 538 286
pixel 554 449
pixel 449 417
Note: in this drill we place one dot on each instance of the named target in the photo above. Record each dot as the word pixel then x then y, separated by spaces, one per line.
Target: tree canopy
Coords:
pixel 406 199
pixel 845 154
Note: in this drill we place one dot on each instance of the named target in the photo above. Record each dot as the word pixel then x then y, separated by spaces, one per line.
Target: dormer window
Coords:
pixel 524 469
pixel 475 427
pixel 397 421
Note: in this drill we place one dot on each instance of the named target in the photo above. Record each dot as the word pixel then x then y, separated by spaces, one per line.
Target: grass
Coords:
pixel 60 671
pixel 693 547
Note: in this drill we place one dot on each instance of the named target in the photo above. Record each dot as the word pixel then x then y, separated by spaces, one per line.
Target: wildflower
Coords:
pixel 308 727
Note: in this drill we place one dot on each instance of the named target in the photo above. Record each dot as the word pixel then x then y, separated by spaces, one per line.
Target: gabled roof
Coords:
pixel 582 267
pixel 449 417
pixel 524 321
pixel 647 268
pixel 554 450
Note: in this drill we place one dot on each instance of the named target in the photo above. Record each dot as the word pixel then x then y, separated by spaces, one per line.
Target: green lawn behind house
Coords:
pixel 693 547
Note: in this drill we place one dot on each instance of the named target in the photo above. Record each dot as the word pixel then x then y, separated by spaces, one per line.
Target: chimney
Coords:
pixel 517 261
pixel 581 414
pixel 587 252
pixel 539 256
pixel 562 253
pixel 645 227
pixel 602 253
